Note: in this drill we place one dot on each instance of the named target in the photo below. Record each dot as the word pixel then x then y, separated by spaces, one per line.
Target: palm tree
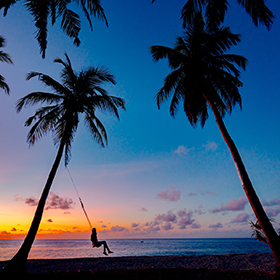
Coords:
pixel 204 76
pixel 4 57
pixel 215 11
pixel 79 94
pixel 43 10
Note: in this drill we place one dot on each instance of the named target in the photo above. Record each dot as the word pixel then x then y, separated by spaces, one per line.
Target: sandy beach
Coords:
pixel 249 266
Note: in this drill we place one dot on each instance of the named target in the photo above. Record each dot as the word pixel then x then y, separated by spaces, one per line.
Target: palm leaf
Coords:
pixel 37 97
pixel 4 85
pixel 96 128
pixel 40 11
pixel 258 11
pixel 71 25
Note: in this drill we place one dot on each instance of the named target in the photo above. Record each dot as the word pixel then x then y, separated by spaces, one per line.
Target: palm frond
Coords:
pixel 258 11
pixel 95 8
pixel 98 75
pixel 4 85
pixel 71 25
pixel 40 11
pixel 170 83
pixel 175 58
pixel 6 5
pixel 228 59
pixel 96 128
pixel 215 13
pixel 190 9
pixel 37 97
pixel 46 121
pixel 48 81
pixel 4 57
pixel 106 103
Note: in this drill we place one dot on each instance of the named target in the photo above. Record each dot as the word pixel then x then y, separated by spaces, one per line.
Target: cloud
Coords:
pixel 152 227
pixel 118 229
pixel 143 209
pixel 13 229
pixel 53 202
pixel 210 146
pixel 200 210
pixel 49 220
pixel 134 225
pixel 167 226
pixel 168 221
pixel 275 201
pixel 103 226
pixel 272 212
pixel 232 205
pixel 170 194
pixel 241 218
pixel 186 218
pixel 169 217
pixel 195 225
pixel 56 202
pixel 217 225
pixel 182 150
pixel 32 201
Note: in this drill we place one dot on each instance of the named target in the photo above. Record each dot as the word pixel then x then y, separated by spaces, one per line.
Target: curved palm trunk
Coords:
pixel 17 264
pixel 269 231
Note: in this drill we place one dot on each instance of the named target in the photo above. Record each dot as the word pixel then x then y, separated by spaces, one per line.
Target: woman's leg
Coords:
pixel 105 246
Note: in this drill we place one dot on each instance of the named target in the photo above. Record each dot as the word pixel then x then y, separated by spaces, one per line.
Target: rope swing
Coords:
pixel 79 198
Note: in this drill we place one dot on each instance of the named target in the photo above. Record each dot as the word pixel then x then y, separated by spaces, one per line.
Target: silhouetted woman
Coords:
pixel 96 243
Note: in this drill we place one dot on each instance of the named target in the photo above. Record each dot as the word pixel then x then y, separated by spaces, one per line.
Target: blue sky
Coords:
pixel 158 177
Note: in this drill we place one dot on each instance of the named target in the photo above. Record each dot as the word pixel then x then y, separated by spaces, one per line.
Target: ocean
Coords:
pixel 81 248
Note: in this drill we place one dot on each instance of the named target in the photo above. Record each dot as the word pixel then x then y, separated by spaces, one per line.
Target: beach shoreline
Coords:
pixel 241 264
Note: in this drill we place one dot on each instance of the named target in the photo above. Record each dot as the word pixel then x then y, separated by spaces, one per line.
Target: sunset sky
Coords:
pixel 159 177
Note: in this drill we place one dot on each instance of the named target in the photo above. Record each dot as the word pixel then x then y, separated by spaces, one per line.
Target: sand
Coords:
pixel 248 266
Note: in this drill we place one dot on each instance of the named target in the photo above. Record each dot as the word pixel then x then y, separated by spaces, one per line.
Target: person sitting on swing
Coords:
pixel 96 243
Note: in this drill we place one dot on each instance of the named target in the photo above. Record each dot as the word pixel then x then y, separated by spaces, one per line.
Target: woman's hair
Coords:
pixel 94 230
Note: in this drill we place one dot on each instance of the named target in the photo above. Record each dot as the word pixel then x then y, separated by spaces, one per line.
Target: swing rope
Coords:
pixel 79 198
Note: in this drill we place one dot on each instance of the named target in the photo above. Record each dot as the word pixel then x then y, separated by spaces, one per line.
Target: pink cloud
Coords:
pixel 167 226
pixel 32 201
pixel 241 218
pixel 53 202
pixel 169 217
pixel 272 212
pixel 56 202
pixel 275 201
pixel 118 228
pixel 232 205
pixel 170 194
pixel 215 226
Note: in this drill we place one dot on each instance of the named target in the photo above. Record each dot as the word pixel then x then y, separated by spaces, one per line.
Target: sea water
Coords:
pixel 81 248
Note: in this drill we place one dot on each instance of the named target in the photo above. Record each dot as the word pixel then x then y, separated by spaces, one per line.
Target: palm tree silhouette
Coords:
pixel 215 12
pixel 4 57
pixel 79 94
pixel 204 77
pixel 44 10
